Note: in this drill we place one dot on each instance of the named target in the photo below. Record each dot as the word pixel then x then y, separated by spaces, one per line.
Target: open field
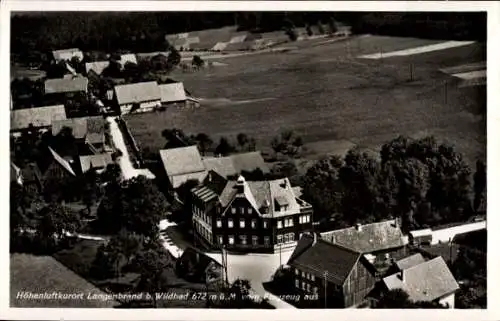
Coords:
pixel 324 93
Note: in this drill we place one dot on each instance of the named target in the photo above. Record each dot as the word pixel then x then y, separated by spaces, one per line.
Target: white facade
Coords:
pixel 448 300
pixel 143 107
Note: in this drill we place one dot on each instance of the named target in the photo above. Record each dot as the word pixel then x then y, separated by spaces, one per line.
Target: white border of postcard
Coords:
pixel 493 75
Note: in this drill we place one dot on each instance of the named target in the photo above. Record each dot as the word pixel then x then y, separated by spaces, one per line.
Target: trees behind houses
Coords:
pixel 288 143
pixel 421 181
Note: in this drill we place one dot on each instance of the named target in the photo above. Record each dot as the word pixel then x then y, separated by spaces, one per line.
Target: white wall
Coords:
pixel 445 235
pixel 450 299
pixel 144 107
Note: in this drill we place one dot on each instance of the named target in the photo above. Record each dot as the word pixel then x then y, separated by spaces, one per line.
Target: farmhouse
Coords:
pixel 182 164
pixel 137 97
pixel 427 281
pixel 379 242
pixel 248 215
pixel 67 54
pixel 173 94
pixel 66 85
pixel 39 118
pixel 89 133
pixel 97 162
pixel 323 268
pixel 231 166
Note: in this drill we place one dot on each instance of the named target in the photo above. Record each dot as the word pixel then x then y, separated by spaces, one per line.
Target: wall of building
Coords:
pixel 447 234
pixel 358 284
pixel 448 300
pixel 143 107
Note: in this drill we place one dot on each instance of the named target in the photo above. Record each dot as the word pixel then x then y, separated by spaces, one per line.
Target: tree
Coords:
pixel 53 222
pixel 176 138
pixel 151 264
pixel 308 30
pixel 288 143
pixel 90 190
pixel 285 169
pixel 135 205
pixel 399 299
pixel 186 197
pixel 322 188
pixel 242 139
pixel 160 62
pixel 197 61
pixel 332 24
pixel 204 142
pixel 224 148
pixel 479 185
pixel 174 58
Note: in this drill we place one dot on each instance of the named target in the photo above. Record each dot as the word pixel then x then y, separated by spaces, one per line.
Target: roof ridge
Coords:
pixel 341 246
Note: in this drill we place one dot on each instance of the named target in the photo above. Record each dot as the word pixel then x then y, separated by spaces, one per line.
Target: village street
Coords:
pixel 257 268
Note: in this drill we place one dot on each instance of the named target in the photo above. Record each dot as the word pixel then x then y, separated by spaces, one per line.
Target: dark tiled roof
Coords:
pixel 427 281
pixel 65 85
pixel 320 257
pixel 370 238
pixel 38 116
pixel 235 164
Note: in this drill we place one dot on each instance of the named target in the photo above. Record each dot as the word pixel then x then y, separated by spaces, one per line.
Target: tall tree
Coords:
pixel 204 143
pixel 224 148
pixel 479 185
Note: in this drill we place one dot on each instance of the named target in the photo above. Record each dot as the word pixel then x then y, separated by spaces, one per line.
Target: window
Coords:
pixel 297 283
pixel 254 223
pixel 308 287
pixel 242 223
pixel 266 240
pixel 297 272
pixel 289 222
pixel 231 239
pixel 242 210
pixel 304 219
pixel 249 210
pixel 303 285
pixel 315 290
pixel 230 222
pixel 219 223
pixel 221 239
pixel 280 224
pixel 312 277
pixel 255 240
pixel 265 223
pixel 233 210
pixel 286 238
pixel 243 239
pixel 307 218
pixel 303 274
pixel 279 238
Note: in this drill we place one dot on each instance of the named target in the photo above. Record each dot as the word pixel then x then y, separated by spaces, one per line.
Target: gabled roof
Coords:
pixel 38 116
pixel 128 58
pixel 97 66
pixel 182 164
pixel 321 256
pixel 172 92
pixel 95 161
pixel 64 163
pixel 410 261
pixel 427 281
pixel 369 238
pixel 66 85
pixel 235 164
pixel 137 92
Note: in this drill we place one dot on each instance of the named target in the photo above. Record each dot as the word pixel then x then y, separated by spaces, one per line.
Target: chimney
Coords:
pixel 401 275
pixel 358 227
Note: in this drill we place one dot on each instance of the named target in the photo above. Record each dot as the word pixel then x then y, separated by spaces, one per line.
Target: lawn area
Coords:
pixel 325 94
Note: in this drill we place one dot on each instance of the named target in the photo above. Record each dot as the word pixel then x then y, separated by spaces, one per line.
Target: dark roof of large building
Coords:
pixel 426 281
pixel 38 116
pixel 234 164
pixel 319 257
pixel 368 238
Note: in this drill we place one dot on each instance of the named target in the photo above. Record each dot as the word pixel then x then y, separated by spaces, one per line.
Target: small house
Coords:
pixel 183 164
pixel 137 97
pixel 195 266
pixel 97 162
pixel 420 237
pixel 67 54
pixel 429 281
pixel 173 94
pixel 39 118
pixel 339 276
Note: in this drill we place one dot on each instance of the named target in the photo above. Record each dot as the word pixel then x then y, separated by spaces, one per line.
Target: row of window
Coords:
pixel 288 222
pixel 307 276
pixel 306 286
pixel 285 238
pixel 243 240
pixel 253 223
pixel 249 210
pixel 207 234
